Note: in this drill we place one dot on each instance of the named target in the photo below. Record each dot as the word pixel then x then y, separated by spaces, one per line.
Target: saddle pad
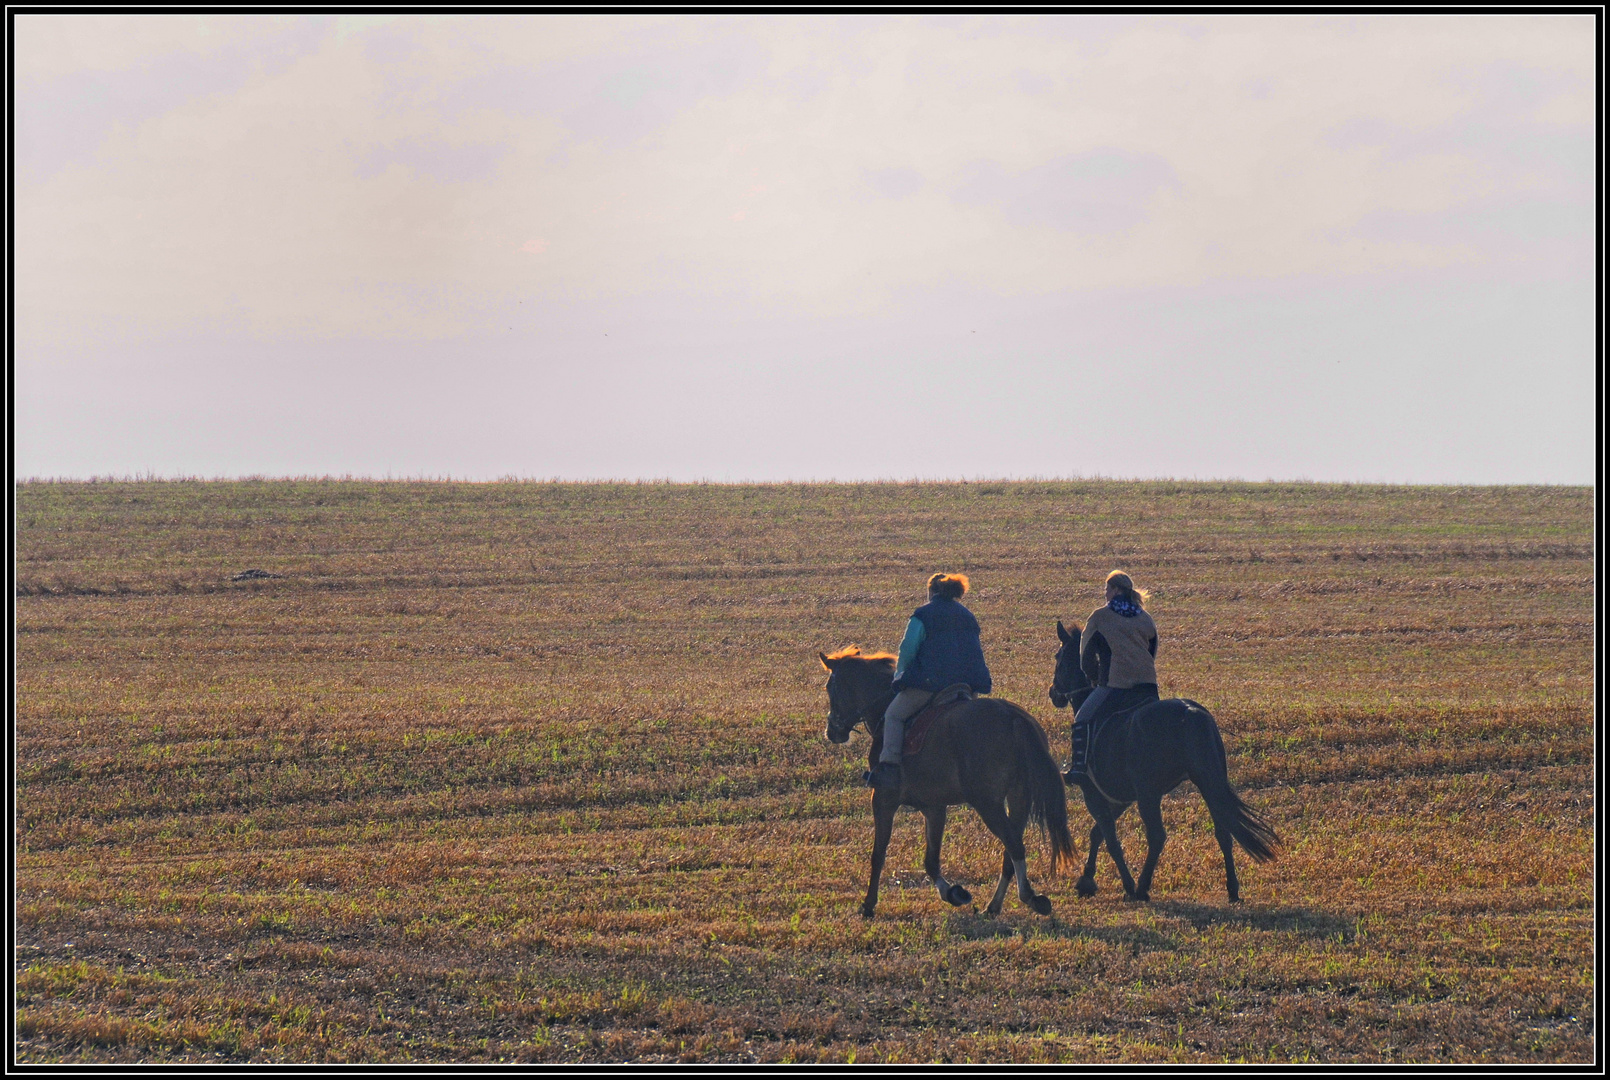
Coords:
pixel 918 727
pixel 1101 725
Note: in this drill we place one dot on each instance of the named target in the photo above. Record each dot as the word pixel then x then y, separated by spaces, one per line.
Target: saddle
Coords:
pixel 1106 720
pixel 918 726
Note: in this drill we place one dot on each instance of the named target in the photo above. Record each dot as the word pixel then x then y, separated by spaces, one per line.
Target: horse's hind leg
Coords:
pixel 884 804
pixel 1009 831
pixel 1226 845
pixel 1151 815
pixel 1017 812
pixel 1086 885
pixel 1007 873
pixel 954 895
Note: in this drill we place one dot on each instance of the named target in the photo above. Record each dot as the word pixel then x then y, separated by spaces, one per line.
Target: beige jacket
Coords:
pixel 1129 641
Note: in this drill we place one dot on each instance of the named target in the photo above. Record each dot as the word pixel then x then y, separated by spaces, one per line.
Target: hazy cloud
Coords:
pixel 1098 191
pixel 625 93
pixel 64 119
pixel 440 160
pixel 999 201
pixel 1526 222
pixel 896 183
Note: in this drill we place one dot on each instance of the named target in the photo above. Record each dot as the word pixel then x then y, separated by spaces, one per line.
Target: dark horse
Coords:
pixel 1140 756
pixel 987 753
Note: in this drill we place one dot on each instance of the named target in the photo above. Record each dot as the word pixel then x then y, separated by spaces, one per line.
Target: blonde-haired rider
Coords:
pixel 1118 653
pixel 941 646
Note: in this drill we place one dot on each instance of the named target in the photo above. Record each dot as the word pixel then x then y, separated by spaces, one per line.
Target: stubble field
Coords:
pixel 536 772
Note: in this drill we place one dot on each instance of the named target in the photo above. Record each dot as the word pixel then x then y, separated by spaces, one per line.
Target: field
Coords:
pixel 536 772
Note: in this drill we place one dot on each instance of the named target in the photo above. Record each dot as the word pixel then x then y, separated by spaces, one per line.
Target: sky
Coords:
pixel 806 248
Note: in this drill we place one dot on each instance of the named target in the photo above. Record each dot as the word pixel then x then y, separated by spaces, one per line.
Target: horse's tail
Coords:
pixel 1048 796
pixel 1211 775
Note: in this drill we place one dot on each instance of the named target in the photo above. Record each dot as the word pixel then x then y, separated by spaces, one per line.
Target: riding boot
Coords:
pixel 886 775
pixel 887 771
pixel 1081 750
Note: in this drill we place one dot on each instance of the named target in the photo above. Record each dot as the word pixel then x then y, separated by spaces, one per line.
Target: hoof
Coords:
pixel 1041 905
pixel 1085 887
pixel 993 911
pixel 958 896
pixel 866 911
pixel 1140 897
pixel 1235 899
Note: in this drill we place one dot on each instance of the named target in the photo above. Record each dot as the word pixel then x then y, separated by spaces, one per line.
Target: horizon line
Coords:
pixel 601 481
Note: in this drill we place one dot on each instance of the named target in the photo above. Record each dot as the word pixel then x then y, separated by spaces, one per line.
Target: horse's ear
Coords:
pixel 828 664
pixel 1061 633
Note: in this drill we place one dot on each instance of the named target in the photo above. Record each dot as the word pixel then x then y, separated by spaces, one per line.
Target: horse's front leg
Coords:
pixel 1107 821
pixel 884 804
pixel 1086 885
pixel 953 895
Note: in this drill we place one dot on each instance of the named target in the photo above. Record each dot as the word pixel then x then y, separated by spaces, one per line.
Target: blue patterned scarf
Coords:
pixel 1124 607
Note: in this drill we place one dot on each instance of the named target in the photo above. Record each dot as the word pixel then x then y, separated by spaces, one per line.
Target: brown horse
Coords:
pixel 987 753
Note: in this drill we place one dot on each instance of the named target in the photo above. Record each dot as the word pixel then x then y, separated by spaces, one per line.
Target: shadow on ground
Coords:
pixel 1290 920
pixel 1137 939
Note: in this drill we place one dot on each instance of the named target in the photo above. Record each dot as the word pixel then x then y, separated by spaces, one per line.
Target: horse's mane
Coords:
pixel 853 652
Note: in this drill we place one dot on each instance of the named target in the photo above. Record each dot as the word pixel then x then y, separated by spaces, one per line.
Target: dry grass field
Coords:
pixel 536 772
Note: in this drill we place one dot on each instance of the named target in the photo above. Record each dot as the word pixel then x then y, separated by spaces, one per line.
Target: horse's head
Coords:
pixel 855 682
pixel 1069 686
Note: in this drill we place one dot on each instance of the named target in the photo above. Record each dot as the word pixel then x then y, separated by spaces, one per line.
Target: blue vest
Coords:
pixel 951 651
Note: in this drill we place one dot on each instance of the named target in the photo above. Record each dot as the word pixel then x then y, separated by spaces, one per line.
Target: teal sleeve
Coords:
pixel 915 632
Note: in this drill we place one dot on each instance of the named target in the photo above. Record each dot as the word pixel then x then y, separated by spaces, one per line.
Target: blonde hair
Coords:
pixel 951 585
pixel 1120 580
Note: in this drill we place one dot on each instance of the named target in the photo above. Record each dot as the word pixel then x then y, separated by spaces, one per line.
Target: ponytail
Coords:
pixel 1121 581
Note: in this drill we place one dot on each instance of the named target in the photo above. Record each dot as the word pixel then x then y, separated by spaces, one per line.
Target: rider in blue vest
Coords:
pixel 941 647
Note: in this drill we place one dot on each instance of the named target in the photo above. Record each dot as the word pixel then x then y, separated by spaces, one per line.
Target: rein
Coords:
pixel 879 707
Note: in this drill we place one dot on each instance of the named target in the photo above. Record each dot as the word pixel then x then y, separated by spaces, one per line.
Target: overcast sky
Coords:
pixel 796 248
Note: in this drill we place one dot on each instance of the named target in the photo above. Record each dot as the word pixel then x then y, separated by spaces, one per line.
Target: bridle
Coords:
pixel 862 719
pixel 1062 697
